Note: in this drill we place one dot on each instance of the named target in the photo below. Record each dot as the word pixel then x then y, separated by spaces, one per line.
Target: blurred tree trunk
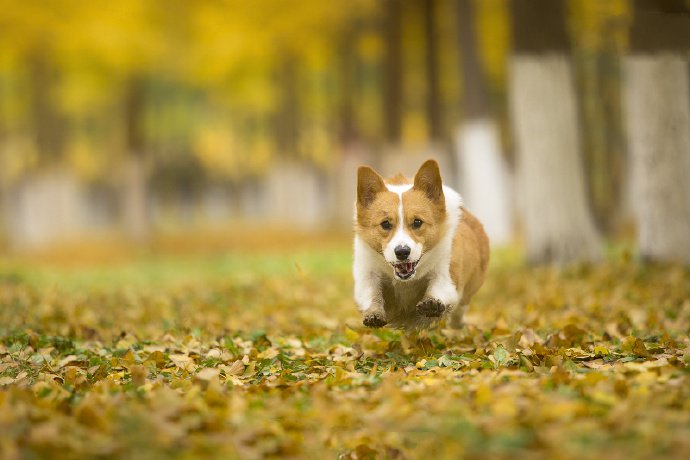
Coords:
pixel 392 71
pixel 135 196
pixel 657 97
pixel 48 126
pixel 603 138
pixel 4 179
pixel 475 95
pixel 480 159
pixel 287 122
pixel 347 126
pixel 433 97
pixel 556 218
pixel 350 136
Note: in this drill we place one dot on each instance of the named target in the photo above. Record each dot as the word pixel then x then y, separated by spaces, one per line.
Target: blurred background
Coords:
pixel 565 124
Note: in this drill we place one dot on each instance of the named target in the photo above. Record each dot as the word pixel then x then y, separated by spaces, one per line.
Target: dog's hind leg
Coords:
pixel 455 320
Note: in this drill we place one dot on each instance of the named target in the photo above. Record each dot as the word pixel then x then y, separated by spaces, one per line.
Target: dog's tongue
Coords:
pixel 406 267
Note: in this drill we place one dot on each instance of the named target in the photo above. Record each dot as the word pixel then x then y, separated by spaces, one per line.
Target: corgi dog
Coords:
pixel 418 254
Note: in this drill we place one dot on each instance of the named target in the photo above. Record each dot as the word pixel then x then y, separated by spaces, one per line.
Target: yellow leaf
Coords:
pixel 184 362
pixel 66 360
pixel 70 375
pixel 139 374
pixel 208 373
pixel 236 368
pixel 601 351
pixel 129 357
pixel 639 349
pixel 157 357
pixel 214 353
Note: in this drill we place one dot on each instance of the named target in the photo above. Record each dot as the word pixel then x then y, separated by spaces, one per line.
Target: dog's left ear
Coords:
pixel 428 180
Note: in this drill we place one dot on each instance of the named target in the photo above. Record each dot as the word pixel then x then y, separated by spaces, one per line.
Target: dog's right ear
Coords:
pixel 369 183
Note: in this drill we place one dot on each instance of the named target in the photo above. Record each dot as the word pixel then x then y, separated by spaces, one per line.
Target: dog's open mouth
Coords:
pixel 405 270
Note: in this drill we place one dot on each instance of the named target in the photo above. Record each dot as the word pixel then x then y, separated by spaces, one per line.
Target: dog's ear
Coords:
pixel 428 180
pixel 369 183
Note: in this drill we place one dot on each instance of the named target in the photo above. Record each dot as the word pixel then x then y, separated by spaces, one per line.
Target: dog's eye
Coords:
pixel 416 223
pixel 386 225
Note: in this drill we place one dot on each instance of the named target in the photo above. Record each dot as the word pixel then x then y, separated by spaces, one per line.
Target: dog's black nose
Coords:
pixel 401 252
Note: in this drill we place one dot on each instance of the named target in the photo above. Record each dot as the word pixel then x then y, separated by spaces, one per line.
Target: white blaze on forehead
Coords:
pixel 399 189
pixel 401 237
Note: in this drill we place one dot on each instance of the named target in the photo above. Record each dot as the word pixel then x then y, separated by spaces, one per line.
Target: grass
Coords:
pixel 260 353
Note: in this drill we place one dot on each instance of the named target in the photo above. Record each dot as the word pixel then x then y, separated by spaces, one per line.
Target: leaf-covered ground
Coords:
pixel 255 356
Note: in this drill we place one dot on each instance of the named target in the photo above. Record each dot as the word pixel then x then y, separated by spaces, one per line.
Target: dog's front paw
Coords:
pixel 375 319
pixel 431 308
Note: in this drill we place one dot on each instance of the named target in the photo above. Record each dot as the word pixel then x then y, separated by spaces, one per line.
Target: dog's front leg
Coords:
pixel 369 299
pixel 441 297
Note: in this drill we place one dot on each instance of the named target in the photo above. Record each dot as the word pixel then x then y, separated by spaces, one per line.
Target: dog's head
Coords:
pixel 401 219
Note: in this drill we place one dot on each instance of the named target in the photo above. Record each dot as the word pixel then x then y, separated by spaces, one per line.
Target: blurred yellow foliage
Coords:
pixel 216 148
pixel 261 153
pixel 317 145
pixel 228 57
pixel 494 36
pixel 82 159
pixel 82 92
pixel 19 156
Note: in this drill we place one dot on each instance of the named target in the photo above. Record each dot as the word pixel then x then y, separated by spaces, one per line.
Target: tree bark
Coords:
pixel 557 221
pixel 479 157
pixel 475 93
pixel 392 71
pixel 660 25
pixel 556 218
pixel 657 96
pixel 4 181
pixel 135 193
pixel 48 126
pixel 347 126
pixel 287 121
pixel 603 137
pixel 433 96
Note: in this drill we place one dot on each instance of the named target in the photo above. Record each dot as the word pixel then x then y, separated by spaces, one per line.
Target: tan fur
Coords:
pixel 369 184
pixel 398 179
pixel 418 206
pixel 369 218
pixel 428 180
pixel 470 256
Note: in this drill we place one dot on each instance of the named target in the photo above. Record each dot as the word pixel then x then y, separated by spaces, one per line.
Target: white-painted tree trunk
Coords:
pixel 657 98
pixel 344 182
pixel 295 196
pixel 556 219
pixel 484 180
pixel 44 209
